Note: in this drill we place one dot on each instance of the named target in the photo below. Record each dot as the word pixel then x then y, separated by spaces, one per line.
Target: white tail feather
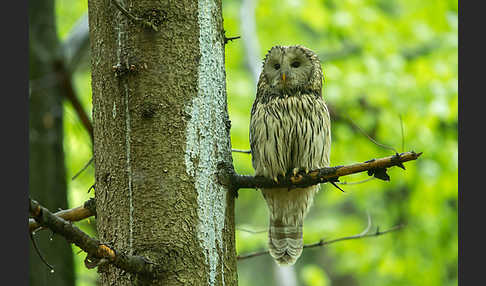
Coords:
pixel 285 244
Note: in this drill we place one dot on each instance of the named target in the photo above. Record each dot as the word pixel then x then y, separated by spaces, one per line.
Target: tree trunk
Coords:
pixel 47 175
pixel 161 127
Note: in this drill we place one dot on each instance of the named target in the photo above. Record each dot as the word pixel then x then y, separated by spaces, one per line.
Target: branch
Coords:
pixel 87 210
pixel 98 253
pixel 82 169
pixel 375 167
pixel 76 46
pixel 226 40
pixel 241 151
pixel 151 24
pixel 66 84
pixel 324 243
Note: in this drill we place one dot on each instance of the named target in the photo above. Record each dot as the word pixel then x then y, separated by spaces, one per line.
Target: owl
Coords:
pixel 289 132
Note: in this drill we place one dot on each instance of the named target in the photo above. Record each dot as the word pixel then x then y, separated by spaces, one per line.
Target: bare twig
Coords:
pixel 356 183
pixel 39 253
pixel 64 78
pixel 84 168
pixel 322 242
pixel 74 214
pixel 97 252
pixel 241 151
pixel 226 40
pixel 125 12
pixel 375 167
pixel 250 231
pixel 369 137
pixel 143 22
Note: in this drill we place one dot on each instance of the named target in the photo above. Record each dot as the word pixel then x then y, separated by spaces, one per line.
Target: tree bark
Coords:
pixel 161 127
pixel 47 175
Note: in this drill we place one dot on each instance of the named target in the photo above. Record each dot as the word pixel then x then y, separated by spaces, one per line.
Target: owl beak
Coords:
pixel 283 77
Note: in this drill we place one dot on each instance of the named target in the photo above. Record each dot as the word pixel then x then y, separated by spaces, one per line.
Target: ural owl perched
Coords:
pixel 289 131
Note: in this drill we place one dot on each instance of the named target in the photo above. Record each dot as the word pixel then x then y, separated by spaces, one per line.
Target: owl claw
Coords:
pixel 275 179
pixel 296 179
pixel 295 171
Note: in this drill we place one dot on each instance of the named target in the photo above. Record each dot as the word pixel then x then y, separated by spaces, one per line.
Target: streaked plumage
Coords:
pixel 289 128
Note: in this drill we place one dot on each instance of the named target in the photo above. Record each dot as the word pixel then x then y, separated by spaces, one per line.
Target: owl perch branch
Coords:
pixel 375 167
pixel 98 253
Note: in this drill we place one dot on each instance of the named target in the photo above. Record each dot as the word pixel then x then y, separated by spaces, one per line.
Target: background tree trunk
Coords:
pixel 47 175
pixel 161 127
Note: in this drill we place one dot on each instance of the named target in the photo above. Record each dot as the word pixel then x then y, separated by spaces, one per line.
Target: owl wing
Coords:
pixel 321 148
pixel 257 129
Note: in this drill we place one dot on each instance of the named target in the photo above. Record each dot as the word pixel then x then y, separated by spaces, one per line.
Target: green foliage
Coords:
pixel 382 60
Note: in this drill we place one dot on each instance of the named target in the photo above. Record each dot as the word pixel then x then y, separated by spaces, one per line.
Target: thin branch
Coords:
pixel 98 253
pixel 125 12
pixel 241 151
pixel 324 243
pixel 84 168
pixel 357 182
pixel 375 167
pixel 143 22
pixel 369 137
pixel 250 231
pixel 67 86
pixel 226 40
pixel 357 236
pixel 75 214
pixel 39 253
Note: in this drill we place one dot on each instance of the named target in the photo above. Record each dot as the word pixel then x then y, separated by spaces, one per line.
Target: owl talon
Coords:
pixel 295 171
pixel 296 179
pixel 275 180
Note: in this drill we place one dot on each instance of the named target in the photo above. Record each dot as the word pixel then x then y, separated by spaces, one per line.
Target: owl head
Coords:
pixel 292 68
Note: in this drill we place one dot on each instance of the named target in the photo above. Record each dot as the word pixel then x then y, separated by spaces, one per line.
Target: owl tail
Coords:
pixel 287 212
pixel 285 242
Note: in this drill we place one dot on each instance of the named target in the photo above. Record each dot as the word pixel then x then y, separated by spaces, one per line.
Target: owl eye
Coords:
pixel 295 64
pixel 276 66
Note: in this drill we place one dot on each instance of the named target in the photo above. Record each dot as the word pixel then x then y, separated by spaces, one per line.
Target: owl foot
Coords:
pixel 295 171
pixel 295 176
pixel 296 179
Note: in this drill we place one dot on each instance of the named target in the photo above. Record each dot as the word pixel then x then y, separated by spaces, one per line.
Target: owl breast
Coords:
pixel 289 132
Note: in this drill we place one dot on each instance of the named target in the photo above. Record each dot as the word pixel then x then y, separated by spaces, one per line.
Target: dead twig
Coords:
pixel 241 151
pixel 97 252
pixel 143 22
pixel 75 214
pixel 322 242
pixel 84 168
